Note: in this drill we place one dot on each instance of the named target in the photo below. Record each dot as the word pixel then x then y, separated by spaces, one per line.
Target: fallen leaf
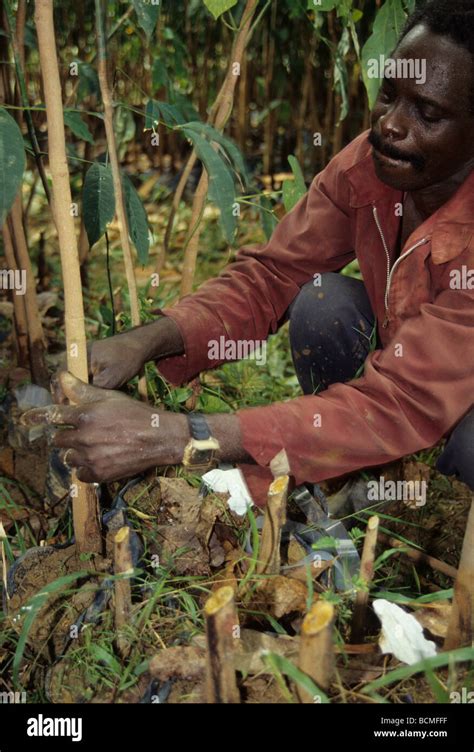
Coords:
pixel 283 595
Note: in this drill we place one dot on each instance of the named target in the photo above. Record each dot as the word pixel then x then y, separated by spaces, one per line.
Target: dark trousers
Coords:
pixel 331 326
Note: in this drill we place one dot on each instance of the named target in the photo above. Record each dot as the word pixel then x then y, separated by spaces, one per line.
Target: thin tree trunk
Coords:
pixel 19 312
pixel 114 163
pixel 242 117
pixel 461 624
pixel 85 506
pixel 359 615
pixel 269 130
pixel 303 108
pixel 18 53
pixel 117 180
pixel 36 337
pixel 226 99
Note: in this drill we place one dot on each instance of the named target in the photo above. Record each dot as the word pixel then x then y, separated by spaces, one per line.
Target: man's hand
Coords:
pixel 116 360
pixel 107 435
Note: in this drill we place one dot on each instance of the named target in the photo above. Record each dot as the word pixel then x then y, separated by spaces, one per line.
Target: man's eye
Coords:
pixel 385 94
pixel 429 116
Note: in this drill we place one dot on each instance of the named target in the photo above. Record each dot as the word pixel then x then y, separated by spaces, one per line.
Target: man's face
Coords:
pixel 422 133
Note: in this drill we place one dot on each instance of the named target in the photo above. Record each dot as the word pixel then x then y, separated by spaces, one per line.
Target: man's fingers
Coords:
pixel 77 391
pixel 53 415
pixel 67 438
pixel 86 475
pixel 70 457
pixel 57 390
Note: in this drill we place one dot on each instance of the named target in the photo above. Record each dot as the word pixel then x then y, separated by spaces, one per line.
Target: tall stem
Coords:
pixel 85 507
pixel 114 163
pixel 226 99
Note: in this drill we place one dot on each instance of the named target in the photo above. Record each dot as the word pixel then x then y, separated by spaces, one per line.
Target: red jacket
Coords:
pixel 408 397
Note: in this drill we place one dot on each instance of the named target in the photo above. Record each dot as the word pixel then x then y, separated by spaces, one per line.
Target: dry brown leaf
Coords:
pixel 283 595
pixel 434 617
pixel 178 661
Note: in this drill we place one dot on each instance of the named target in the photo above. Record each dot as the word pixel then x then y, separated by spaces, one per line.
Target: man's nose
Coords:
pixel 394 124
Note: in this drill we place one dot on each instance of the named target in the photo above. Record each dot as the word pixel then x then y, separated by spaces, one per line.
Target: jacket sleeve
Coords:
pixel 399 406
pixel 250 297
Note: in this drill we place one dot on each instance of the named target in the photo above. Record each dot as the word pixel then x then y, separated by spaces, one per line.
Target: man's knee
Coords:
pixel 331 321
pixel 458 456
pixel 321 300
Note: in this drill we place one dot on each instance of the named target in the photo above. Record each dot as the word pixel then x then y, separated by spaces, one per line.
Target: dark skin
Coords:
pixel 429 124
pixel 426 127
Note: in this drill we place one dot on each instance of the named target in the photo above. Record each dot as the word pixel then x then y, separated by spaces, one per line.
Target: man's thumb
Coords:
pixel 77 392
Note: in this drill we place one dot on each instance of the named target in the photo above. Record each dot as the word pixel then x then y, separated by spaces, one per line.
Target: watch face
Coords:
pixel 202 456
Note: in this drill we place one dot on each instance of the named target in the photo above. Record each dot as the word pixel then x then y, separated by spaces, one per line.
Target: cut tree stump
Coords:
pixel 461 626
pixel 222 629
pixel 316 657
pixel 275 518
pixel 366 573
pixel 123 565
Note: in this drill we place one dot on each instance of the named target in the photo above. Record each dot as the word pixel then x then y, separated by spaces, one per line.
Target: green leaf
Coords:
pixel 326 541
pixel 295 189
pixel 162 112
pixel 221 182
pixel 228 147
pixel 32 608
pixel 185 106
pixel 460 655
pixel 282 664
pixel 388 24
pixel 98 201
pixel 74 121
pixel 387 554
pixel 212 403
pixel 147 14
pixel 101 655
pixel 325 5
pixel 88 81
pixel 267 215
pixel 218 7
pixel 159 74
pixel 439 595
pixel 12 162
pixel 137 219
pixel 125 128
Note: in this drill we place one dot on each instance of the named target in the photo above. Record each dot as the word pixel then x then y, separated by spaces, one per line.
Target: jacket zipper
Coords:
pixel 399 259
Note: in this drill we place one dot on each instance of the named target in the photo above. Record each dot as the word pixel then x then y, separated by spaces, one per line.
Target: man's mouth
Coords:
pixel 390 162
pixel 389 157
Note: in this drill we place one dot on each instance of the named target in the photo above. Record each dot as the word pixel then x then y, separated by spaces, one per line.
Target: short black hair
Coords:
pixel 449 18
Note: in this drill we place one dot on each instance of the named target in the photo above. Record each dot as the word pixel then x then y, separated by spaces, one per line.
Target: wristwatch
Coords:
pixel 200 453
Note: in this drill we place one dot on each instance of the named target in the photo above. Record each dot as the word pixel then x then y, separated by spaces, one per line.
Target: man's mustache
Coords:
pixel 389 150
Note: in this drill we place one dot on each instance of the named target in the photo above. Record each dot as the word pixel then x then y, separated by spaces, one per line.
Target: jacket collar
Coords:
pixel 451 228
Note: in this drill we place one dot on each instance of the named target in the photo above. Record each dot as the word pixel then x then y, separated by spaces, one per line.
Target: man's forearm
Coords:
pixel 224 428
pixel 161 339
